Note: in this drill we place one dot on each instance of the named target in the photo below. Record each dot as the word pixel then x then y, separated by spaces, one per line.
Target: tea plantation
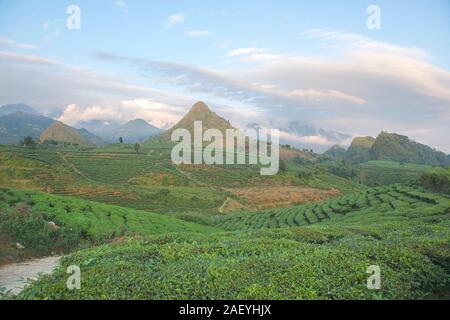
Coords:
pixel 317 251
pixel 396 200
pixel 45 223
pixel 97 207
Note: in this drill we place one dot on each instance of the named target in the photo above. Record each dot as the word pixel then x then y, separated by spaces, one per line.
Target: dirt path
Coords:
pixel 14 276
pixel 72 166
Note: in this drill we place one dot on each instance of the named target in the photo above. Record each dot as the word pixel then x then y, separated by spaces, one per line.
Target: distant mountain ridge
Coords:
pixel 302 134
pixel 18 107
pixel 393 147
pixel 133 131
pixel 15 126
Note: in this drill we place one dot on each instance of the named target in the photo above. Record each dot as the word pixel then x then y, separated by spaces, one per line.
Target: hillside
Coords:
pixel 91 138
pixel 200 112
pixel 336 151
pixel 359 149
pixel 45 223
pixel 62 133
pixel 395 147
pixel 15 126
pixel 287 262
pixel 18 107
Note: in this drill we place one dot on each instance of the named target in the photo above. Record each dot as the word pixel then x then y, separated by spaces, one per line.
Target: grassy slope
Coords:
pixel 380 172
pixel 326 260
pixel 25 218
pixel 116 175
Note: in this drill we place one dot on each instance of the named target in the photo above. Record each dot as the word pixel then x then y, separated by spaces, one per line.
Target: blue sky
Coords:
pixel 264 61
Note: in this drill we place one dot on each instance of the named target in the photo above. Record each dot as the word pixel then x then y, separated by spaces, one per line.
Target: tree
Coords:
pixel 137 147
pixel 28 142
pixel 120 140
pixel 283 166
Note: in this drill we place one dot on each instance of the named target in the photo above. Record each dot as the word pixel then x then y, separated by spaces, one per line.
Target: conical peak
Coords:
pixel 200 107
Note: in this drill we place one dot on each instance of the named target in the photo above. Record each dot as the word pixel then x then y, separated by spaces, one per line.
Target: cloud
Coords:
pixel 122 4
pixel 53 29
pixel 198 33
pixel 336 38
pixel 254 54
pixel 175 19
pixel 223 85
pixel 6 42
pixel 27 59
pixel 365 87
pixel 245 52
pixel 225 44
pixel 316 139
pixel 50 86
pixel 158 114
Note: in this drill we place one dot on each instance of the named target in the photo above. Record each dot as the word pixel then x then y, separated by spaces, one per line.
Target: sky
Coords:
pixel 270 62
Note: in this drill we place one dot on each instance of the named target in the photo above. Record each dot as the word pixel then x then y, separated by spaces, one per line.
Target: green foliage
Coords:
pixel 437 180
pixel 396 200
pixel 394 147
pixel 343 169
pixel 282 166
pixel 28 142
pixel 27 217
pixel 378 173
pixel 258 265
pixel 33 231
pixel 137 147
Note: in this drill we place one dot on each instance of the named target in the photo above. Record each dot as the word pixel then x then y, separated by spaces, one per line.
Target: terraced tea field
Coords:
pixel 396 198
pixel 377 173
pixel 117 175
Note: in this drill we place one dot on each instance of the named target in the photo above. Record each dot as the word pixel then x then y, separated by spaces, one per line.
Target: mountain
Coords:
pixel 200 112
pixel 91 138
pixel 131 132
pixel 359 149
pixel 336 151
pixel 137 131
pixel 395 147
pixel 15 126
pixel 19 107
pixel 304 135
pixel 304 129
pixel 62 133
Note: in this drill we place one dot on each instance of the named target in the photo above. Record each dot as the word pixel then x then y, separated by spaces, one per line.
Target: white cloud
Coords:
pixel 27 59
pixel 254 55
pixel 6 42
pixel 122 4
pixel 53 29
pixel 320 140
pixel 159 114
pixel 246 51
pixel 175 19
pixel 326 95
pixel 225 44
pixel 369 86
pixel 333 38
pixel 198 33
